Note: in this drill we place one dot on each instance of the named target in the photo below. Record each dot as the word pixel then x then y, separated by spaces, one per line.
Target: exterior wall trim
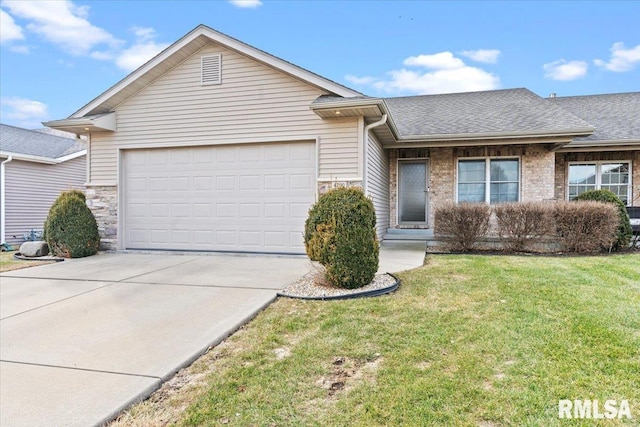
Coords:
pixel 427 223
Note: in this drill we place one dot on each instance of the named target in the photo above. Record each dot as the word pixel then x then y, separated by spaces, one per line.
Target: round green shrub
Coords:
pixel 624 233
pixel 71 230
pixel 340 234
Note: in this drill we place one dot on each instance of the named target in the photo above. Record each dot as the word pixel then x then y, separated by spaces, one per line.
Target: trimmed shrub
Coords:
pixel 340 234
pixel 460 227
pixel 624 232
pixel 521 224
pixel 71 230
pixel 348 206
pixel 353 257
pixel 585 226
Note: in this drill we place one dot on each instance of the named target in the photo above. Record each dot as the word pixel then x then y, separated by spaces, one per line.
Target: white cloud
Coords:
pixel 9 30
pixel 62 23
pixel 487 56
pixel 143 50
pixel 438 61
pixel 445 74
pixel 246 3
pixel 621 59
pixel 565 70
pixel 23 112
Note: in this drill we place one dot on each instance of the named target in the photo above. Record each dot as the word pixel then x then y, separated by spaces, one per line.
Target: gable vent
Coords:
pixel 212 69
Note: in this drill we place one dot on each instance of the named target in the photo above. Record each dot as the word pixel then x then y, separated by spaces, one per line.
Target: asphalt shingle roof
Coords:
pixel 489 112
pixel 615 116
pixel 33 143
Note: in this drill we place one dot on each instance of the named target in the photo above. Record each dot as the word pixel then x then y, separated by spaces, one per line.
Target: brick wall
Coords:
pixel 537 176
pixel 537 172
pixel 103 202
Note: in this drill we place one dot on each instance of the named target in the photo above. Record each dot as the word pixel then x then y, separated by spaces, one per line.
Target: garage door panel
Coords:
pixel 235 198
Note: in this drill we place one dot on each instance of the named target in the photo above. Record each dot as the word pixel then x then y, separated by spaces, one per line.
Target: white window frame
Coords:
pixel 598 184
pixel 487 174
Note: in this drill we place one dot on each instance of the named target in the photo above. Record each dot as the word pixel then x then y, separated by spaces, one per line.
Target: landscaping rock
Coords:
pixel 34 249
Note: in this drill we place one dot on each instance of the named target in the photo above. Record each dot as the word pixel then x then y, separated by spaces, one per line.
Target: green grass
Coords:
pixel 465 341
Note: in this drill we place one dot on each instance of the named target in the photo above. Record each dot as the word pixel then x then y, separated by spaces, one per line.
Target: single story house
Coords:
pixel 36 166
pixel 215 145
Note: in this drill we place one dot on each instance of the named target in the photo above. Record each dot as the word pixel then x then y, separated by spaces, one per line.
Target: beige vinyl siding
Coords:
pixel 254 103
pixel 31 189
pixel 378 182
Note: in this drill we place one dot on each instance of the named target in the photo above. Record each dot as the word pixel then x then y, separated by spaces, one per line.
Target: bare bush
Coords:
pixel 460 227
pixel 585 226
pixel 522 224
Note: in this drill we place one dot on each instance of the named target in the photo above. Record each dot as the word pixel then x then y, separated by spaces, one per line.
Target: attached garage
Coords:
pixel 242 197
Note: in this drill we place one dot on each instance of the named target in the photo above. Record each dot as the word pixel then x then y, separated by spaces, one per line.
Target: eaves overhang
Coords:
pixel 602 145
pixel 369 108
pixel 558 138
pixel 85 125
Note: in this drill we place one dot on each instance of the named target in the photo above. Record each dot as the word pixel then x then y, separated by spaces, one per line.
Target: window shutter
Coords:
pixel 211 69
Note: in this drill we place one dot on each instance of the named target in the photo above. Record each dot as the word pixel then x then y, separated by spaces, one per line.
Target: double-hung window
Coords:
pixel 488 180
pixel 614 176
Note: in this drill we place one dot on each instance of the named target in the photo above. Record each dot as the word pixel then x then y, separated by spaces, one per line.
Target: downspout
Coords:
pixel 2 201
pixel 365 154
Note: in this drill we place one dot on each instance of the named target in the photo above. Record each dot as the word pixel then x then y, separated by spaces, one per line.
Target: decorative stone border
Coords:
pixel 21 257
pixel 306 289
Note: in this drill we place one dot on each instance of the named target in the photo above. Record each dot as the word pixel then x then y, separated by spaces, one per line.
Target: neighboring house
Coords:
pixel 216 145
pixel 36 168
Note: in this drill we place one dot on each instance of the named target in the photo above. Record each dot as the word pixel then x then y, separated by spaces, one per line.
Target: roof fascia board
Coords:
pixel 229 42
pixel 502 135
pixel 348 103
pixel 609 145
pixel 71 156
pixel 29 158
pixel 40 159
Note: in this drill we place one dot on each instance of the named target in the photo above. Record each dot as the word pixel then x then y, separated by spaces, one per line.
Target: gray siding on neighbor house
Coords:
pixel 31 188
pixel 378 182
pixel 254 103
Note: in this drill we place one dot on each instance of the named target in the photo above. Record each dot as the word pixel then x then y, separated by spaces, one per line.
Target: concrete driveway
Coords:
pixel 81 339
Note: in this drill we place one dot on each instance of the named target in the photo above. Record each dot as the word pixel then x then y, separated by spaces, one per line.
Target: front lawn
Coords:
pixel 466 341
pixel 8 263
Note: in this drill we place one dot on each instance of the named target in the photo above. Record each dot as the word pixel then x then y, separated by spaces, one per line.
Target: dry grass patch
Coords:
pixel 8 263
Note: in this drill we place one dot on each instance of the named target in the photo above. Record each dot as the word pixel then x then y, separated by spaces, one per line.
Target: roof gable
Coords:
pixel 184 48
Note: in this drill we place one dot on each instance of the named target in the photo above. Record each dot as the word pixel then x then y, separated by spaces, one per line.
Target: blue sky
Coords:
pixel 56 56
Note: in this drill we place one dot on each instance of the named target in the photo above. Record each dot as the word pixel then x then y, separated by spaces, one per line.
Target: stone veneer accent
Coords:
pixel 562 168
pixel 537 172
pixel 103 202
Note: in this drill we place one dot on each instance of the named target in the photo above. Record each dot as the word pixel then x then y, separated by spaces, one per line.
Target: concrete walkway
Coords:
pixel 83 339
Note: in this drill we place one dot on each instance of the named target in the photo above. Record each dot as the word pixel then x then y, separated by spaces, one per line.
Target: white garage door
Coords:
pixel 251 198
